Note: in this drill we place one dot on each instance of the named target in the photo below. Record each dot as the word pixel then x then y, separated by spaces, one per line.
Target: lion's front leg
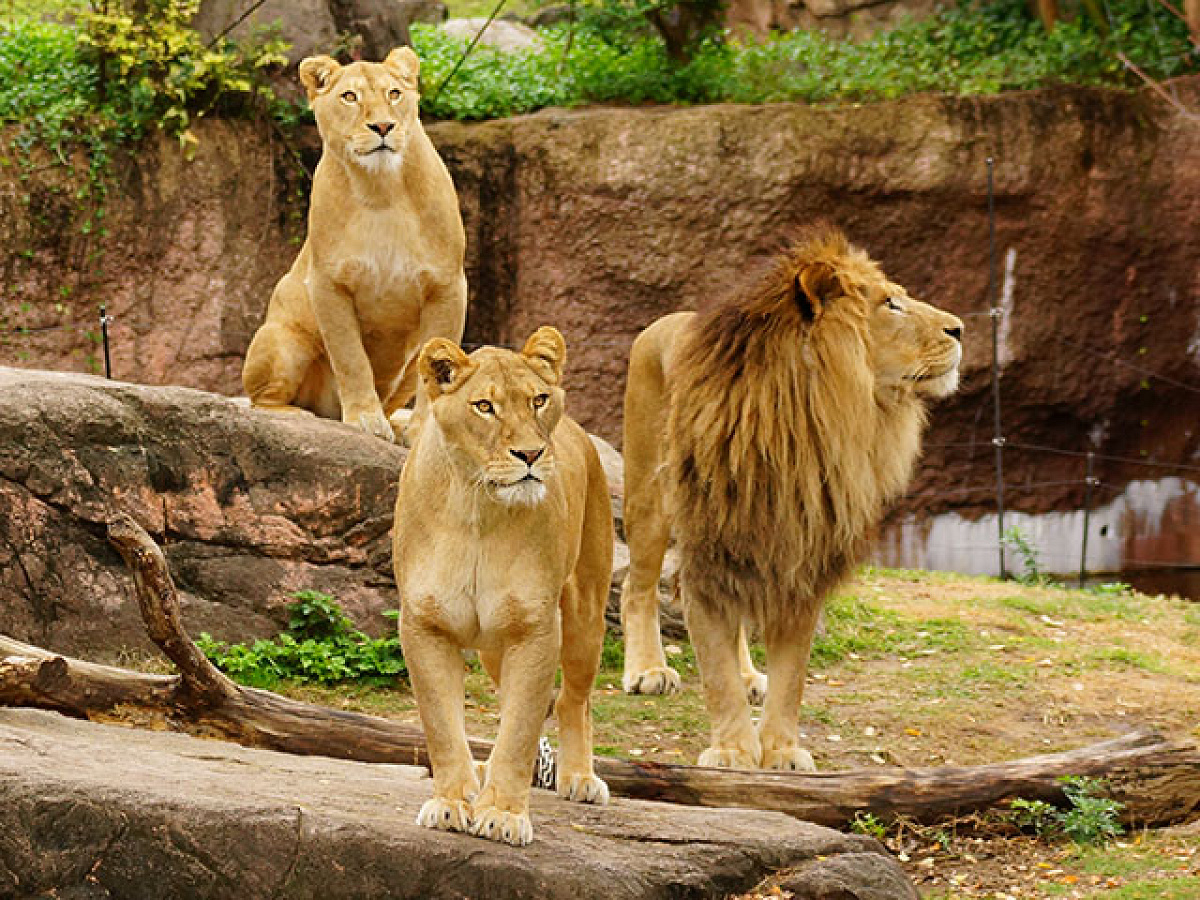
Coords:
pixel 788 647
pixel 436 670
pixel 714 636
pixel 501 810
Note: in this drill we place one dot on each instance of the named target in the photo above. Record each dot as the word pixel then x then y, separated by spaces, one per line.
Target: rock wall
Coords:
pixel 601 220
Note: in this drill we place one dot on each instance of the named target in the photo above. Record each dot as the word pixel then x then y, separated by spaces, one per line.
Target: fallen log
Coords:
pixel 1158 781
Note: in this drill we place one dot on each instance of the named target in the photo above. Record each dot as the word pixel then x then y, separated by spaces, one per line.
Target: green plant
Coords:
pixel 868 824
pixel 321 645
pixel 1089 817
pixel 1092 818
pixel 1017 541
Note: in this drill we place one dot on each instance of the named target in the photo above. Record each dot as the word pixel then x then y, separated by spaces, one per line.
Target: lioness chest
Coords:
pixel 382 261
pixel 487 591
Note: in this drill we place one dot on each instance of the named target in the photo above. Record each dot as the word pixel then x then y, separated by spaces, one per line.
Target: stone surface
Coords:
pixel 502 34
pixel 106 812
pixel 249 507
pixel 599 221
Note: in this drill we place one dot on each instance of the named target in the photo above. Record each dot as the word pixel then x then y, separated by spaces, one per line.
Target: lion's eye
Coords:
pixel 394 95
pixel 893 305
pixel 484 406
pixel 350 96
pixel 540 400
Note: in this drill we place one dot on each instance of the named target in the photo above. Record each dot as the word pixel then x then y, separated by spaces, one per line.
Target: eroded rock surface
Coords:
pixel 106 812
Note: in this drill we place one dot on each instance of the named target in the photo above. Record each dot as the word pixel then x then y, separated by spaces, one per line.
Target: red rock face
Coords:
pixel 248 507
pixel 600 221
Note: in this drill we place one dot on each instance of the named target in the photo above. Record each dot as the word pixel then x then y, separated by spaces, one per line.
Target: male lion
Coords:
pixel 381 271
pixel 504 543
pixel 766 436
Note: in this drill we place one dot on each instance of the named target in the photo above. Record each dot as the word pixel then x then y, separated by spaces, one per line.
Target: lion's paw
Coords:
pixel 658 680
pixel 497 825
pixel 445 815
pixel 788 759
pixel 371 422
pixel 728 758
pixel 756 688
pixel 583 789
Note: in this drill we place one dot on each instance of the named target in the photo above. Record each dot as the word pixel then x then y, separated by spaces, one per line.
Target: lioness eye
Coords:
pixel 540 400
pixel 892 304
pixel 484 406
pixel 349 96
pixel 393 95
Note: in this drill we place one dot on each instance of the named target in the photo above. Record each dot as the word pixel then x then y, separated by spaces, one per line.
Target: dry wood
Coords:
pixel 1158 781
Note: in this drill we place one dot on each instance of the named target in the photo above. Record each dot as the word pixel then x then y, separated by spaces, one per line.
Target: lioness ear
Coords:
pixel 404 63
pixel 815 286
pixel 443 366
pixel 546 352
pixel 316 73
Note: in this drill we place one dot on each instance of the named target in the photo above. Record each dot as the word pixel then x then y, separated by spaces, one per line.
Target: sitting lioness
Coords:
pixel 381 271
pixel 503 543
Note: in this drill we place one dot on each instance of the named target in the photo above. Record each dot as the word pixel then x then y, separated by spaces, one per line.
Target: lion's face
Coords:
pixel 496 410
pixel 914 343
pixel 365 111
pixel 907 344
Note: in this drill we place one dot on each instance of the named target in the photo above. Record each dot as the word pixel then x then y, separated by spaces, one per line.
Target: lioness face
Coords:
pixel 365 111
pixel 914 343
pixel 496 411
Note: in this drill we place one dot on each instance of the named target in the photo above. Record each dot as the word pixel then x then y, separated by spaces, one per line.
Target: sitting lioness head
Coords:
pixel 494 412
pixel 365 111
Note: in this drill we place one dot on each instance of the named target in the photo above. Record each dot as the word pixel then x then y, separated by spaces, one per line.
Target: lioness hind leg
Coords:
pixel 583 645
pixel 277 362
pixel 788 647
pixel 734 743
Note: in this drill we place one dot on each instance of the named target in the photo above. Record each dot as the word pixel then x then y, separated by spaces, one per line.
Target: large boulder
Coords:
pixel 249 507
pixel 95 811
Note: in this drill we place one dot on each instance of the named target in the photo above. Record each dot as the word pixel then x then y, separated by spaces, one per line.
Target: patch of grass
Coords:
pixel 1123 657
pixel 1187 888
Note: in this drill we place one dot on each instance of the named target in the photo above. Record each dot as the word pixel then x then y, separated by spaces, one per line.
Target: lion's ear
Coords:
pixel 815 286
pixel 443 366
pixel 546 352
pixel 404 64
pixel 316 74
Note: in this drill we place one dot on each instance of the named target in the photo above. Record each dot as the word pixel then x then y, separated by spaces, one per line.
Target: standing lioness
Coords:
pixel 503 543
pixel 381 271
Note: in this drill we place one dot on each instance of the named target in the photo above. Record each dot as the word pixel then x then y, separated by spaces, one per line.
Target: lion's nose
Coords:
pixel 381 128
pixel 955 332
pixel 529 457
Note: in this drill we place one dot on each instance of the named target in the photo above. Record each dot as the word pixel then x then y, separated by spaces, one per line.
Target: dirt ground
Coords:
pixel 921 669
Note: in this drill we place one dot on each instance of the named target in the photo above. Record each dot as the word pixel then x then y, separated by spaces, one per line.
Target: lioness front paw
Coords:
pixel 445 815
pixel 497 825
pixel 372 422
pixel 788 759
pixel 756 688
pixel 583 789
pixel 729 758
pixel 658 680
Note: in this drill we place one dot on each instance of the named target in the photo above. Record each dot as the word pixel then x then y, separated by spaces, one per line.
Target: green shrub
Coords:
pixel 1088 818
pixel 321 645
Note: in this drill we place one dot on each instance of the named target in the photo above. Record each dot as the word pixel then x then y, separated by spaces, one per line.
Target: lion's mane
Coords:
pixel 782 451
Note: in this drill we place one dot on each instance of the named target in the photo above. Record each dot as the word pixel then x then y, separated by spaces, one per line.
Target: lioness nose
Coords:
pixel 381 128
pixel 529 457
pixel 955 332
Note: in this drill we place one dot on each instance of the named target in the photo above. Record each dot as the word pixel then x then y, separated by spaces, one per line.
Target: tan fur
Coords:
pixel 381 270
pixel 503 543
pixel 767 436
